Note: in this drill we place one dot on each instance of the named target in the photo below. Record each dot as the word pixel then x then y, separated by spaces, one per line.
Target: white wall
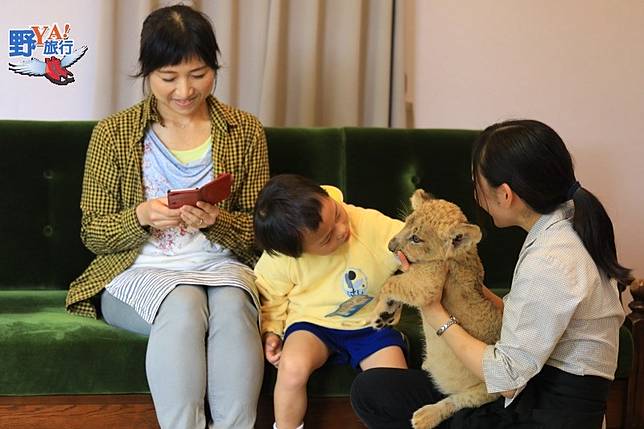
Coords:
pixel 577 65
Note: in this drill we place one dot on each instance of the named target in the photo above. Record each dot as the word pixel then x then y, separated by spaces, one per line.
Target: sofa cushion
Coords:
pixel 46 351
pixel 91 357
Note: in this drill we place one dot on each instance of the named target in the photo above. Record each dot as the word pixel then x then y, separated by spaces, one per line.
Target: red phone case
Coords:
pixel 212 192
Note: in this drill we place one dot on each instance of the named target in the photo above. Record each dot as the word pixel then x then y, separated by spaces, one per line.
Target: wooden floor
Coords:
pixel 137 411
pixel 326 413
pixel 77 412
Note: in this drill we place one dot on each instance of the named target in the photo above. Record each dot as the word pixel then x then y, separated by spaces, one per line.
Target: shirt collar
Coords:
pixel 564 212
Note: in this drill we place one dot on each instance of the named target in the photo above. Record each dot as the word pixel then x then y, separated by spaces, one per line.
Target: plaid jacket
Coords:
pixel 112 189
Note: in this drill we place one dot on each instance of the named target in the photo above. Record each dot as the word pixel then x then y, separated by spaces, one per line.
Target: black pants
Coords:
pixel 386 398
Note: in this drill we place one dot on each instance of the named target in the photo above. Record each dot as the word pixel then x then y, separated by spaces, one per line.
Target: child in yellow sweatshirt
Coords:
pixel 323 263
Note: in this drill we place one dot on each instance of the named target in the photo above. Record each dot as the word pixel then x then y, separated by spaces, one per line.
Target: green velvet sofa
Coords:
pixel 64 371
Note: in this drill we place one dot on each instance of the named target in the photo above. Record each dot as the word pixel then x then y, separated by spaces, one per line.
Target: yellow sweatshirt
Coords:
pixel 334 291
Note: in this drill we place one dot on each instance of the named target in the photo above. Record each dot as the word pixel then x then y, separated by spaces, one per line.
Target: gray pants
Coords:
pixel 204 343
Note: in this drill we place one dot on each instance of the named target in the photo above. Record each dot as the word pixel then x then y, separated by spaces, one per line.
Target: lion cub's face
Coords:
pixel 437 230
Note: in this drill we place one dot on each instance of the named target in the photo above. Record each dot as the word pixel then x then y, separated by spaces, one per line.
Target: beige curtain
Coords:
pixel 290 62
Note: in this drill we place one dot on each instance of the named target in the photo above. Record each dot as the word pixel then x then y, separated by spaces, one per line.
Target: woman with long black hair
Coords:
pixel 559 341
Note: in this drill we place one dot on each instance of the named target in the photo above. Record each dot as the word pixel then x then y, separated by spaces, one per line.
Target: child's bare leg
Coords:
pixel 388 357
pixel 302 354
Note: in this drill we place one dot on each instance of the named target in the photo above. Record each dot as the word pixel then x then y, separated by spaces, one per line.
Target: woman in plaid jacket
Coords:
pixel 180 276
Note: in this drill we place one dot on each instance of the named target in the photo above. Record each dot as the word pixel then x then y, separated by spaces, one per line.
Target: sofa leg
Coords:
pixel 635 321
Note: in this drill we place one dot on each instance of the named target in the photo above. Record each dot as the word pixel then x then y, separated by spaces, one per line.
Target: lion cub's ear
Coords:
pixel 418 198
pixel 461 238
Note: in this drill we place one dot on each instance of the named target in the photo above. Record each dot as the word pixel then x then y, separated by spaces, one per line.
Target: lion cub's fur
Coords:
pixel 440 245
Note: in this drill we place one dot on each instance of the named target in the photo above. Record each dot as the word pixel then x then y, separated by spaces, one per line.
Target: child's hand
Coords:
pixel 272 348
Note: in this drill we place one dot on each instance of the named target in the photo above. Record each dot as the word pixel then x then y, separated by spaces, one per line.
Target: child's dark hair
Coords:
pixel 173 34
pixel 287 205
pixel 533 160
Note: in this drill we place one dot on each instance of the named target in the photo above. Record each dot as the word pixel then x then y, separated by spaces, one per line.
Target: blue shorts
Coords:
pixel 354 345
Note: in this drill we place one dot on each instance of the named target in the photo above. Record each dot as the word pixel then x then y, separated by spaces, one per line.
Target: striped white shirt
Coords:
pixel 145 288
pixel 560 311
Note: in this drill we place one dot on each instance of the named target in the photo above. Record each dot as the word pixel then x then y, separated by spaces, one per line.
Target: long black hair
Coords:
pixel 173 34
pixel 533 160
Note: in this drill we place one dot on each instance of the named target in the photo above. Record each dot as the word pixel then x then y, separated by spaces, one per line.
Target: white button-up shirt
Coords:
pixel 560 311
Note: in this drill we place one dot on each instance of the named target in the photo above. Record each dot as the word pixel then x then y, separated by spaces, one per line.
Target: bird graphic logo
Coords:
pixel 56 70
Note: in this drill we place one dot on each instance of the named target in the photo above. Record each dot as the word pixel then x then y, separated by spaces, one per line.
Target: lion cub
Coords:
pixel 440 245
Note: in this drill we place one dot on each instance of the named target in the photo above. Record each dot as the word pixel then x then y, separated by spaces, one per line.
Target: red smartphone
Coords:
pixel 212 192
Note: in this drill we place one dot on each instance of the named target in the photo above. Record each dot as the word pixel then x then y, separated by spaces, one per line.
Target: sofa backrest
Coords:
pixel 384 166
pixel 42 170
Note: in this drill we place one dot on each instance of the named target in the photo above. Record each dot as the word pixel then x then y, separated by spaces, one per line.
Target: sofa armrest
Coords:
pixel 635 322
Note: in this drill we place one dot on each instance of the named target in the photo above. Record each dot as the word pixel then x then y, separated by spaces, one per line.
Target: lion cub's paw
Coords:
pixel 386 313
pixel 428 416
